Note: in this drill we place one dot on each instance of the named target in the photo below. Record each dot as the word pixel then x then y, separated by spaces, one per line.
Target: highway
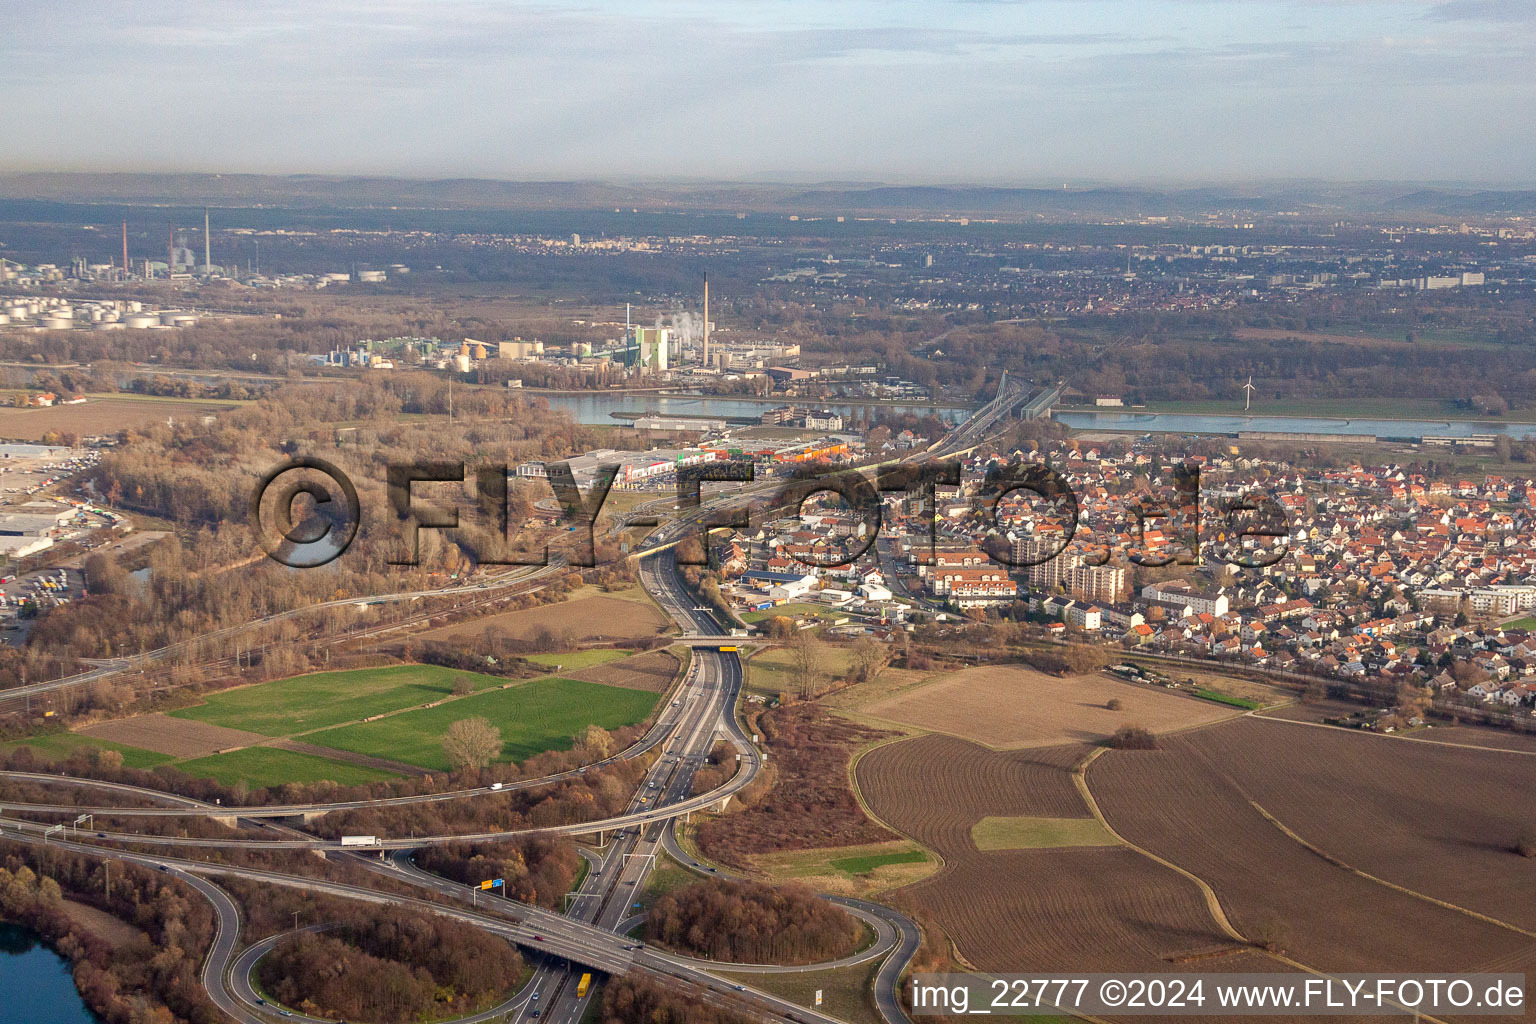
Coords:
pixel 588 934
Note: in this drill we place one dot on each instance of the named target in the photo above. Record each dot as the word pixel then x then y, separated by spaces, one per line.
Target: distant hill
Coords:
pixel 871 199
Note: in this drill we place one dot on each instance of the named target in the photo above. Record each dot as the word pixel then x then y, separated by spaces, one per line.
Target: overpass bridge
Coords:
pixel 1031 404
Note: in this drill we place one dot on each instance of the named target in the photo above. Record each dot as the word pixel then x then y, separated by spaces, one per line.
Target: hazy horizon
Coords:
pixel 984 92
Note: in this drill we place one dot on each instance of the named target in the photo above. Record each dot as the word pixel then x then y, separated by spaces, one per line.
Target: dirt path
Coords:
pixel 362 760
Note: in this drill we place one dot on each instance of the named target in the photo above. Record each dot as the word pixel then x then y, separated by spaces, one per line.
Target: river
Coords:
pixel 1176 423
pixel 595 407
pixel 36 986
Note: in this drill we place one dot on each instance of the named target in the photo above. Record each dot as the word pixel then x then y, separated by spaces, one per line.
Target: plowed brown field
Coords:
pixel 1181 803
pixel 1104 908
pixel 1009 707
pixel 1437 819
pixel 177 736
pixel 934 788
pixel 652 671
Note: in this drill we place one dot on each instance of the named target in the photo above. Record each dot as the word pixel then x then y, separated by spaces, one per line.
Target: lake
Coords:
pixel 36 986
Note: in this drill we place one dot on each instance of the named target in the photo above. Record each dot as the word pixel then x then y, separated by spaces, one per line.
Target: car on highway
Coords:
pixel 538 938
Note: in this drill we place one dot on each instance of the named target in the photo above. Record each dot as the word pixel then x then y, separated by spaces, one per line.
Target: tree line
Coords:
pixel 150 979
pixel 391 966
pixel 537 869
pixel 751 922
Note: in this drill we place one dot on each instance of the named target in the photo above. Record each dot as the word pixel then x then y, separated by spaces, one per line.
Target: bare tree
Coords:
pixel 809 660
pixel 471 743
pixel 869 658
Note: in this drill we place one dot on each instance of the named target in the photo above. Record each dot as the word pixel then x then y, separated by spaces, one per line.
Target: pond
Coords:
pixel 36 986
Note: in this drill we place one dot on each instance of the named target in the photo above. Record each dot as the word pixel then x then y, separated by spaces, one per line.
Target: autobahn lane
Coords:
pixel 605 899
pixel 225 940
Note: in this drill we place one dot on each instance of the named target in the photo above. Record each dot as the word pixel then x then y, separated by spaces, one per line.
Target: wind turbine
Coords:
pixel 1248 390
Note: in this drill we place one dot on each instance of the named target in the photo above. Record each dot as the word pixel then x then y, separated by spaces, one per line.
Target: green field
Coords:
pixel 533 717
pixel 772 671
pixel 1529 622
pixel 285 707
pixel 1229 700
pixel 864 865
pixel 1038 833
pixel 573 661
pixel 791 610
pixel 260 767
pixel 57 746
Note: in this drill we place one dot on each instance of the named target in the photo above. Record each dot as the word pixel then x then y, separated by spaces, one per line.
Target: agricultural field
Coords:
pixel 1011 707
pixel 934 788
pixel 101 416
pixel 1087 909
pixel 595 619
pixel 1093 905
pixel 1437 819
pixel 849 870
pixel 1036 833
pixel 533 717
pixel 1186 804
pixel 259 767
pixel 313 727
pixel 58 746
pixel 572 661
pixel 653 671
pixel 285 707
pixel 173 737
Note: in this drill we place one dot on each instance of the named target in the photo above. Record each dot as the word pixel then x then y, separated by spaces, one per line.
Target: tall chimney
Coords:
pixel 170 248
pixel 706 321
pixel 125 248
pixel 207 244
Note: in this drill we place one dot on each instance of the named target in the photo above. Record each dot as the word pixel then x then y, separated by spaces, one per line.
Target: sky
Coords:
pixel 940 91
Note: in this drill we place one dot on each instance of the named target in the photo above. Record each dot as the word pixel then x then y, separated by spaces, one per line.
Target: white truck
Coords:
pixel 359 840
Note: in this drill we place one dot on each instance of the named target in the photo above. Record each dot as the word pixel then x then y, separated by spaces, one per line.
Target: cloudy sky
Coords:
pixel 1026 91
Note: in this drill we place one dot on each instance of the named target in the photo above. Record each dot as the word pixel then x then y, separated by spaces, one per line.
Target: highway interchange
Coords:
pixel 591 933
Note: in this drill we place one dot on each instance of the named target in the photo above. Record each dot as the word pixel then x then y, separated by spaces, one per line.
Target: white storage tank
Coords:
pixel 139 321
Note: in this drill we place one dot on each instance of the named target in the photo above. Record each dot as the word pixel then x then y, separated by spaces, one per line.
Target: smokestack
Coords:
pixel 125 248
pixel 706 320
pixel 207 244
pixel 170 248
